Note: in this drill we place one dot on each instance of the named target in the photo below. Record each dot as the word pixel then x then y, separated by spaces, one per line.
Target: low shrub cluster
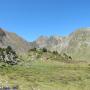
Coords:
pixel 8 56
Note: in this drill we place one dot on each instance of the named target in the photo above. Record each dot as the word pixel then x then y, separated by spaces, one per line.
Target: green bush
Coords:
pixel 55 52
pixel 8 56
pixel 33 49
pixel 44 50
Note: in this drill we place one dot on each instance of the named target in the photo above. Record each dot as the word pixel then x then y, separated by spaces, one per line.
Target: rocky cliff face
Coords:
pixel 13 40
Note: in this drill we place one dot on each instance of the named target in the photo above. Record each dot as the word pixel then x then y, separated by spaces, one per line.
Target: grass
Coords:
pixel 48 75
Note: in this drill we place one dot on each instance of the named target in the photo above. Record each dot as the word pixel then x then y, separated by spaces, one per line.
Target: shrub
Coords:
pixel 67 57
pixel 33 49
pixel 8 56
pixel 55 52
pixel 44 50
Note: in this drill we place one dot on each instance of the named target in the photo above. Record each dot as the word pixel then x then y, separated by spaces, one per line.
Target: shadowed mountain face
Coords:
pixel 11 39
pixel 77 44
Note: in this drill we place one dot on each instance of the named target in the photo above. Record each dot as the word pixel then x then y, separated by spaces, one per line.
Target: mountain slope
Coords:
pixel 51 43
pixel 13 40
pixel 77 44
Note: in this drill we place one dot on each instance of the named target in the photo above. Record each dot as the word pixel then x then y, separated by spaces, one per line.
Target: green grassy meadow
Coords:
pixel 47 75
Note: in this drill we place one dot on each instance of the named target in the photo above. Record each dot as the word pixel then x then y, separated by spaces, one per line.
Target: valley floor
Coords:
pixel 47 75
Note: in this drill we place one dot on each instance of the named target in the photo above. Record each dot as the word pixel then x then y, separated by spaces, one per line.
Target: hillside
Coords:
pixel 43 70
pixel 13 40
pixel 77 44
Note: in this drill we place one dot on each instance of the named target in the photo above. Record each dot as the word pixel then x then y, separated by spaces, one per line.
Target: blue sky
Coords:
pixel 33 18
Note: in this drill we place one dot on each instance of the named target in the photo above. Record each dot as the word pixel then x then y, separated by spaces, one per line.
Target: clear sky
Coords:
pixel 33 18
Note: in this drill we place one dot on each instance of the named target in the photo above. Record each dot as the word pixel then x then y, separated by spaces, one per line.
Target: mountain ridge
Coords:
pixel 76 44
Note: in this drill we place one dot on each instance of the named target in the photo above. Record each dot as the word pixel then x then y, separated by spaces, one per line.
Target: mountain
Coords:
pixel 51 43
pixel 77 44
pixel 13 40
